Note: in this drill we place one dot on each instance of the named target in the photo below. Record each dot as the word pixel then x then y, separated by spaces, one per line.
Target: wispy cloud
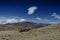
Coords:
pixel 38 18
pixel 54 22
pixel 32 9
pixel 21 20
pixel 4 20
pixel 55 16
pixel 43 20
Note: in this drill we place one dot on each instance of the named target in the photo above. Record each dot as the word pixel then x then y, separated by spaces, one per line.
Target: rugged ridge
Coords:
pixel 21 26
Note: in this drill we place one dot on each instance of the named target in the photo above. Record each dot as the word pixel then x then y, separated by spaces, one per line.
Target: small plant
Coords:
pixel 3 38
pixel 24 30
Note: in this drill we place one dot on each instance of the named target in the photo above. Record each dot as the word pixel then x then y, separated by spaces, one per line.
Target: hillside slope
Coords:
pixel 51 32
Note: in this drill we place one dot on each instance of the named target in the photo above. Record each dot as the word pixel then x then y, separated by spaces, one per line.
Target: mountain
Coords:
pixel 21 26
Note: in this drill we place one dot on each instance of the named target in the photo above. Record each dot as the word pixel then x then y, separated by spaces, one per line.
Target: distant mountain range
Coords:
pixel 21 25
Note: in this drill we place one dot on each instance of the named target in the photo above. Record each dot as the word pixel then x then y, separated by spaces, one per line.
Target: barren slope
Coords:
pixel 46 33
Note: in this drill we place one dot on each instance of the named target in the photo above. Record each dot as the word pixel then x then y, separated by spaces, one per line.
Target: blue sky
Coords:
pixel 41 11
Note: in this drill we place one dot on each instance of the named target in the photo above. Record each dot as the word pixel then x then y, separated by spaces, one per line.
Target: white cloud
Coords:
pixel 43 20
pixel 21 20
pixel 4 20
pixel 12 20
pixel 32 9
pixel 38 18
pixel 56 16
pixel 46 21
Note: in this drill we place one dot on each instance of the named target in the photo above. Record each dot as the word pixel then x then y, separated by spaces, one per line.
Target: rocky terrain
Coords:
pixel 21 26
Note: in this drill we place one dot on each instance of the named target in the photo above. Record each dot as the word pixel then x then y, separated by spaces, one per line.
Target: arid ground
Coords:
pixel 51 32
